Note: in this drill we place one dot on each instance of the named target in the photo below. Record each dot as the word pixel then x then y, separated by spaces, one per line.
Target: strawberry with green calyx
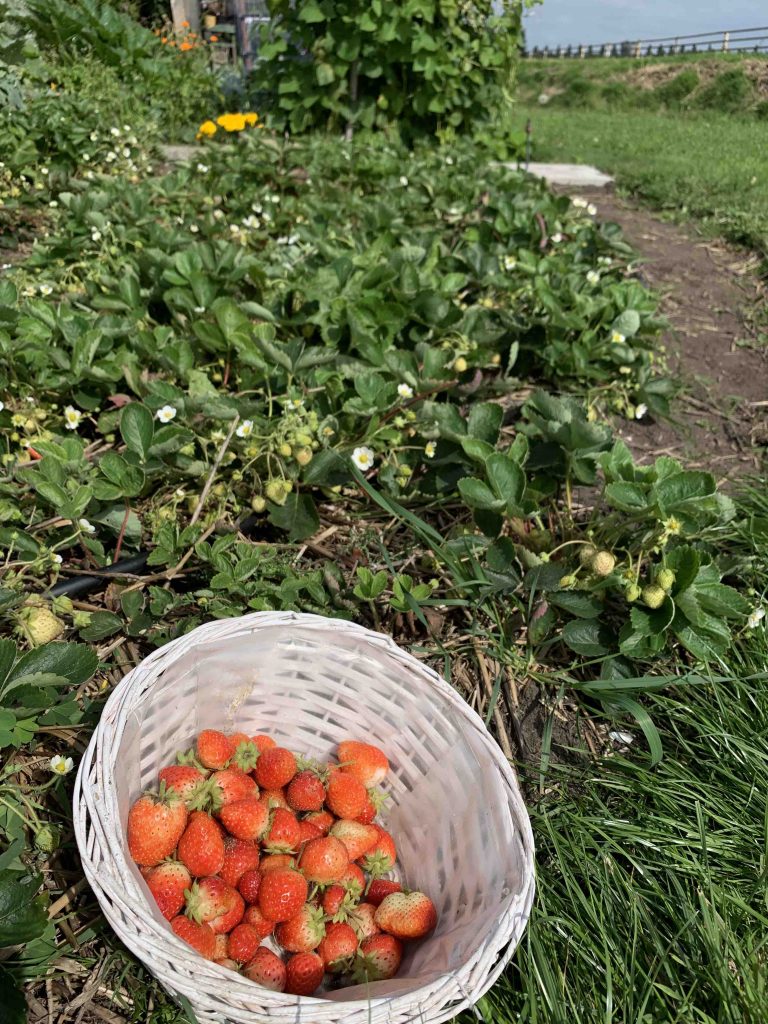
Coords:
pixel 242 942
pixel 603 563
pixel 249 884
pixel 266 970
pixel 633 593
pixel 201 847
pixel 231 784
pixel 353 879
pixel 282 893
pixel 188 758
pixel 37 624
pixel 246 819
pixel 356 837
pixel 283 834
pixel 208 898
pixel 410 915
pixel 586 553
pixel 239 857
pixel 246 753
pixel 381 858
pixel 346 796
pixel 378 959
pixel 324 860
pixel 367 763
pixel 363 921
pixel 304 974
pixel 653 596
pixel 338 947
pixel 339 902
pixel 275 768
pixel 305 792
pixel 156 822
pixel 665 578
pixel 199 936
pixel 303 932
pixel 379 888
pixel 213 749
pixel 168 882
pixel 274 798
pixel 186 780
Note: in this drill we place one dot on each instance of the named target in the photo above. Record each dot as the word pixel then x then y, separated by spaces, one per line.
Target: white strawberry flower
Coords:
pixel 2 406
pixel 618 338
pixel 403 180
pixel 756 616
pixel 593 277
pixel 363 457
pixel 429 449
pixel 72 417
pixel 115 132
pixel 203 168
pixel 56 559
pixel 166 414
pixel 61 765
pixel 592 210
pixel 557 238
pixel 46 289
pixel 579 203
pixel 86 526
pixel 510 262
pixel 405 391
pixel 245 429
pixel 641 411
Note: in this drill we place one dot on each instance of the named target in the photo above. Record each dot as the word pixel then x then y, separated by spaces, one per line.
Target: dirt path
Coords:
pixel 710 294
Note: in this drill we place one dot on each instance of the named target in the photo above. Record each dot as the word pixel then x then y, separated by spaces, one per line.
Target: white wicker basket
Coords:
pixel 462 830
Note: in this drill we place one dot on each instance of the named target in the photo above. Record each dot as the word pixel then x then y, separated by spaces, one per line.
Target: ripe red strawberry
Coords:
pixel 224 961
pixel 362 919
pixel 249 885
pixel 346 795
pixel 382 856
pixel 220 949
pixel 266 970
pixel 245 819
pixel 406 915
pixel 262 743
pixel 239 857
pixel 339 902
pixel 207 899
pixel 305 792
pixel 274 861
pixel 254 917
pixel 378 959
pixel 242 943
pixel 167 883
pixel 213 748
pixel 155 824
pixel 201 847
pixel 368 813
pixel 357 838
pixel 185 779
pixel 339 944
pixel 274 798
pixel 282 893
pixel 246 752
pixel 308 831
pixel 230 784
pixel 284 833
pixel 275 768
pixel 231 918
pixel 304 973
pixel 353 880
pixel 366 762
pixel 379 888
pixel 199 936
pixel 303 932
pixel 324 860
pixel 322 820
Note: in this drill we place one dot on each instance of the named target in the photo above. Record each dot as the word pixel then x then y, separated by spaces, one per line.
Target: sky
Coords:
pixel 568 22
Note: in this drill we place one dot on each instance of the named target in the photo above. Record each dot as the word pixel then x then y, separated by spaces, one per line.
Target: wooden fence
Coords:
pixel 740 40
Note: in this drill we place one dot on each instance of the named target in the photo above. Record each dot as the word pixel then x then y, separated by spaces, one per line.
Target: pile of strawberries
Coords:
pixel 249 850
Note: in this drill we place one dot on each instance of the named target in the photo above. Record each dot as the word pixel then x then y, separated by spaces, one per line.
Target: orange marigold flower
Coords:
pixel 186 46
pixel 214 39
pixel 185 24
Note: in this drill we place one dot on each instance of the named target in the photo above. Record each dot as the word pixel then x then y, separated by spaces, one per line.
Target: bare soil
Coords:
pixel 711 294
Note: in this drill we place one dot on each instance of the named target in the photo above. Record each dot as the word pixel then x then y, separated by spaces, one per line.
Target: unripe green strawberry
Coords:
pixel 653 596
pixel 62 605
pixel 285 450
pixel 47 838
pixel 566 582
pixel 258 504
pixel 81 619
pixel 276 491
pixel 603 563
pixel 633 592
pixel 39 625
pixel 665 579
pixel 303 456
pixel 587 553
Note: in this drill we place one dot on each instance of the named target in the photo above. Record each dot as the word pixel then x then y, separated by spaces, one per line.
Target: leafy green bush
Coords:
pixel 731 91
pixel 428 66
pixel 674 91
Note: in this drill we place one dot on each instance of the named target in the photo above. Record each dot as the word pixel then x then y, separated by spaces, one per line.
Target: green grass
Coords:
pixel 707 166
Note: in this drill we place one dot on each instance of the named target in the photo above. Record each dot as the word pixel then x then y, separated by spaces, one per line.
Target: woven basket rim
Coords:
pixel 107 886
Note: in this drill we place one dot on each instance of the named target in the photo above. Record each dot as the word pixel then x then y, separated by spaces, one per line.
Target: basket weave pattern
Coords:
pixel 461 827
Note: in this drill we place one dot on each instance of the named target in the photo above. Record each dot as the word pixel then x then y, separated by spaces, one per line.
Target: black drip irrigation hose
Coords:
pixel 133 566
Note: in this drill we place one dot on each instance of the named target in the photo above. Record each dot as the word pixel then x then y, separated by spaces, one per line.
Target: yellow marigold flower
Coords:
pixel 207 128
pixel 231 122
pixel 251 118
